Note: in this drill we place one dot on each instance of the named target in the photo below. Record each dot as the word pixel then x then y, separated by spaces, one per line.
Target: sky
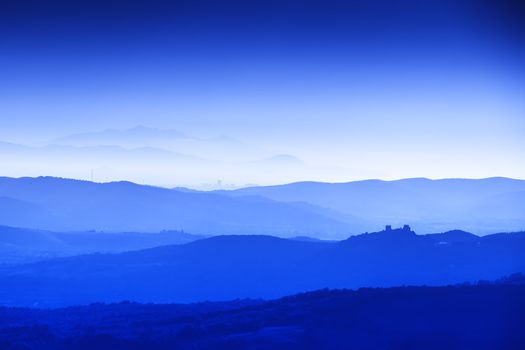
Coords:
pixel 382 89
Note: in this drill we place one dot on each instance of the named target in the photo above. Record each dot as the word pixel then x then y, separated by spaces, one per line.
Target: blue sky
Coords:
pixel 396 88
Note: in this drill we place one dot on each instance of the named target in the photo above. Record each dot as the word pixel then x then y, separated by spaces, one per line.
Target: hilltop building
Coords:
pixel 406 228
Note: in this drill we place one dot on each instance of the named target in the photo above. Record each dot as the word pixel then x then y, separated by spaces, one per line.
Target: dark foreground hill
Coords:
pixel 229 267
pixel 486 316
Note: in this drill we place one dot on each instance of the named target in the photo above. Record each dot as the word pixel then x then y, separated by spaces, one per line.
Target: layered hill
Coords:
pixel 475 205
pixel 65 205
pixel 20 245
pixel 483 316
pixel 229 267
pixel 320 210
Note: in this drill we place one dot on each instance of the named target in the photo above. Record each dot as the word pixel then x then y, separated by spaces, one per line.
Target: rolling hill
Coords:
pixel 19 245
pixel 481 206
pixel 229 267
pixel 72 205
pixel 483 316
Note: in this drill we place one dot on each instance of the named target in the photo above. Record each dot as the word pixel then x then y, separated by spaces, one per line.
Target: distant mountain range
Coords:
pixel 219 148
pixel 152 156
pixel 318 210
pixel 72 205
pixel 230 267
pixel 162 157
pixel 481 206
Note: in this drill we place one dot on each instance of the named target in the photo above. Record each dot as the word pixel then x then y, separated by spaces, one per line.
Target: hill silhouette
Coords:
pixel 481 206
pixel 229 267
pixel 68 205
pixel 482 316
pixel 19 245
pixel 320 210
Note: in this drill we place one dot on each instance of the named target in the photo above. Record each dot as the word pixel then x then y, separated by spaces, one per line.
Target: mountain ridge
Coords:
pixel 476 205
pixel 64 204
pixel 322 210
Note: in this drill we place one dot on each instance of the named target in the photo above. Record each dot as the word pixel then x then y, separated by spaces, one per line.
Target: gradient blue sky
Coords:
pixel 399 88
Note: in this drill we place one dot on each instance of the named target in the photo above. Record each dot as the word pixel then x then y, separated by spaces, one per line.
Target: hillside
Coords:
pixel 481 206
pixel 71 205
pixel 19 245
pixel 406 318
pixel 229 267
pixel 320 210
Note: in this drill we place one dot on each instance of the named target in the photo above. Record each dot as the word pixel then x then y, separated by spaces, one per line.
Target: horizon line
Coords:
pixel 257 185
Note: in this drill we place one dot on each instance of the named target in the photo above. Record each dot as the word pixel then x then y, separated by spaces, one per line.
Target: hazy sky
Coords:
pixel 395 88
